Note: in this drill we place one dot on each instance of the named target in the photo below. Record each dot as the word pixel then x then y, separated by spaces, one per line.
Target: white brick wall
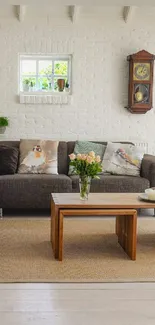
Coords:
pixel 100 79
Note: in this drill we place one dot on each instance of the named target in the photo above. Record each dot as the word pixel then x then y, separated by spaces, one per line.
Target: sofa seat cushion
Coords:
pixel 31 190
pixel 114 184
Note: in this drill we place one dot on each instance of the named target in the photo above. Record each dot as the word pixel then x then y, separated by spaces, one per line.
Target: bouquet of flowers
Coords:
pixel 87 166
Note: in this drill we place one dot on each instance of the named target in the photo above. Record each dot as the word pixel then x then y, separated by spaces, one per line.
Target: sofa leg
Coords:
pixel 1 213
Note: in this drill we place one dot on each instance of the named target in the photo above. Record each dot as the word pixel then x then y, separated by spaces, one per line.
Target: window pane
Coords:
pixel 29 84
pixel 45 68
pixel 55 84
pixel 40 73
pixel 44 84
pixel 61 68
pixel 28 67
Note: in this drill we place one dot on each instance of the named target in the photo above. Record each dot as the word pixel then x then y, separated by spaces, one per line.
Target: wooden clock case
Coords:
pixel 140 58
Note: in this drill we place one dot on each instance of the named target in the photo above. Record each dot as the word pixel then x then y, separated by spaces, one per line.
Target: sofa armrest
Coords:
pixel 152 175
pixel 148 168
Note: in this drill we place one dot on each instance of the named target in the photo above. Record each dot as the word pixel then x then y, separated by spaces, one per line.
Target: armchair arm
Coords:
pixel 148 168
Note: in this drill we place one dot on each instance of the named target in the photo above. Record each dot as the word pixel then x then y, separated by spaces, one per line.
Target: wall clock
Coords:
pixel 140 82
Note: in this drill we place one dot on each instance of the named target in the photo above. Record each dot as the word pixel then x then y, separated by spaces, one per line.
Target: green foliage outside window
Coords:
pixel 45 76
pixel 60 68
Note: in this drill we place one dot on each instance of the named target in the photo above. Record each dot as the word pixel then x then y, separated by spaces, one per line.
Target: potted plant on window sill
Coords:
pixel 4 122
pixel 26 84
pixel 67 86
pixel 61 84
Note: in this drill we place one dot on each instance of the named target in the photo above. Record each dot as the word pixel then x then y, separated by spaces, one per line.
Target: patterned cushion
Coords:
pixel 38 157
pixel 122 159
pixel 85 147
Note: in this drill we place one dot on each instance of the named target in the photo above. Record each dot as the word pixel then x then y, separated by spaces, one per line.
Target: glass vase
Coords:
pixel 84 184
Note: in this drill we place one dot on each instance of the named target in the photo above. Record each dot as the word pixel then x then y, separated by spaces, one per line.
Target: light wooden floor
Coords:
pixel 77 304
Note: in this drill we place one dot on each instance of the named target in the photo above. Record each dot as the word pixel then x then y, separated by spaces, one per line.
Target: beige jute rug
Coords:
pixel 91 252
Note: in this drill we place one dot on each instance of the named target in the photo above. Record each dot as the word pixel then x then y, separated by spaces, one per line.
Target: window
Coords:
pixel 45 74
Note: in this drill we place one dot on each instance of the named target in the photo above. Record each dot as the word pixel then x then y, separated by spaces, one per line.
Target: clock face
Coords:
pixel 141 71
pixel 141 93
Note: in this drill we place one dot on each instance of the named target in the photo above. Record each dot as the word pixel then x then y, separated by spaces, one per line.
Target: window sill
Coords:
pixel 46 98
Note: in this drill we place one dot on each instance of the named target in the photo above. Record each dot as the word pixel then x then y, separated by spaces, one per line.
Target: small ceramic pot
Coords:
pixel 61 84
pixel 2 129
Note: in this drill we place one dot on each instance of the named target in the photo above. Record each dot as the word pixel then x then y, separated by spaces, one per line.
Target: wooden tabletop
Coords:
pixel 101 201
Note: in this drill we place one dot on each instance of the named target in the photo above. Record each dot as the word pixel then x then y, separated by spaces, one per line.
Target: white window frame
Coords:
pixel 46 97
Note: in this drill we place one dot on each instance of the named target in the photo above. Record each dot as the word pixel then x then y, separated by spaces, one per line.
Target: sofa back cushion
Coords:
pixel 38 156
pixel 122 159
pixel 8 159
pixel 71 145
pixel 84 147
pixel 62 158
pixel 62 154
pixel 10 143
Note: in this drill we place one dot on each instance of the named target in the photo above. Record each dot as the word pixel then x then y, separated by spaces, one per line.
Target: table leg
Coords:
pixel 126 230
pixel 54 230
pixel 61 217
pixel 117 225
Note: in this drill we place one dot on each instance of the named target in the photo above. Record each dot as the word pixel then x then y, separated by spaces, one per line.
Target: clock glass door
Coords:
pixel 141 93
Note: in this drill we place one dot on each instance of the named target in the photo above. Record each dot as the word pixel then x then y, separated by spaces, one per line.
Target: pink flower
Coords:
pixel 78 156
pixel 89 159
pixel 98 159
pixel 72 156
pixel 83 157
pixel 92 154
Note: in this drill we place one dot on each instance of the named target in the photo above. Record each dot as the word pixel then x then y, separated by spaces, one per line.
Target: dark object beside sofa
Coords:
pixel 34 190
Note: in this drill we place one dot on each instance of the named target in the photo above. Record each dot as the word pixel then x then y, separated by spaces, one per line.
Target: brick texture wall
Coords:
pixel 99 77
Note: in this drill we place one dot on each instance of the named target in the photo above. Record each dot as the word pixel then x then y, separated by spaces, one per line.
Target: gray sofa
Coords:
pixel 33 191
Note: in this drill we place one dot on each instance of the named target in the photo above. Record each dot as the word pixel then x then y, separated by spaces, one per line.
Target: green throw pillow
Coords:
pixel 85 147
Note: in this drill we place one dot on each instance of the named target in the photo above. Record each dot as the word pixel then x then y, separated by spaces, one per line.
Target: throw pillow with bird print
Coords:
pixel 38 156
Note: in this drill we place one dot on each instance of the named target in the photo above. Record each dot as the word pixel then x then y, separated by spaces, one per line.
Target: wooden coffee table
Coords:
pixel 121 205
